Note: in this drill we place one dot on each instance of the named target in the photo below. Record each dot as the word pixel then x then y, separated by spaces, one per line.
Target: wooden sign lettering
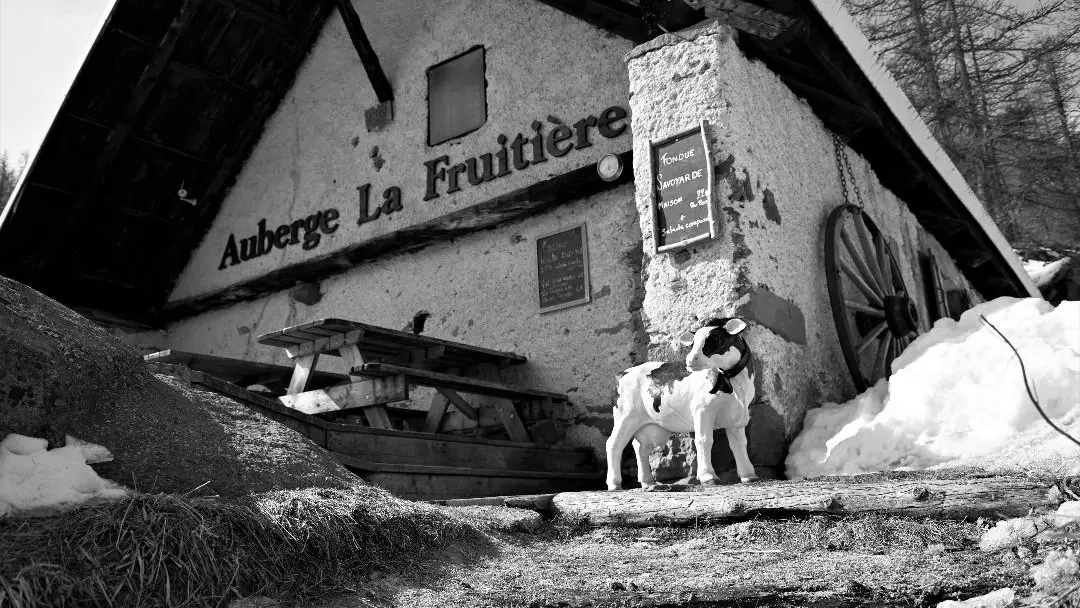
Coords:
pixel 562 269
pixel 682 192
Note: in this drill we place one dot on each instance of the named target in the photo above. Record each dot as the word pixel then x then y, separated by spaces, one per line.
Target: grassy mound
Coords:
pixel 168 550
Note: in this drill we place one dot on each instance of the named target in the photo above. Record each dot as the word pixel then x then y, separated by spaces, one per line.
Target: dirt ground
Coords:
pixel 814 561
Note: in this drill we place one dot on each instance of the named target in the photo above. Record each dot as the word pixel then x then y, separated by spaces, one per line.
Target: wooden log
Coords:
pixel 956 498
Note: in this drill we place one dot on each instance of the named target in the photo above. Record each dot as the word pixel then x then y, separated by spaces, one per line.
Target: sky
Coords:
pixel 42 45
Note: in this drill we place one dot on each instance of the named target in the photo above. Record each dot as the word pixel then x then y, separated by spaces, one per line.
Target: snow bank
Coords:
pixel 36 481
pixel 1043 273
pixel 957 397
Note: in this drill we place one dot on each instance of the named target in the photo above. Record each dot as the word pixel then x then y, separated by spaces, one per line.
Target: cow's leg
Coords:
pixel 621 434
pixel 736 438
pixel 703 441
pixel 650 436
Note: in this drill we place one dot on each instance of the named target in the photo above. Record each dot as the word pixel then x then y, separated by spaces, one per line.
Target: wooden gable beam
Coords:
pixel 746 17
pixel 374 70
pixel 147 83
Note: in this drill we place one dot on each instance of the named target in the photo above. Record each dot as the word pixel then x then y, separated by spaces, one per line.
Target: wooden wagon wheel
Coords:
pixel 873 310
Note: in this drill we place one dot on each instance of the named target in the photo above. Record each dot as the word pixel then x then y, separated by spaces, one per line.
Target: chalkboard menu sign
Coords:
pixel 682 209
pixel 562 269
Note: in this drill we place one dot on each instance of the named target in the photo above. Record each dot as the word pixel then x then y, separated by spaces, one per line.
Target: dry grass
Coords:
pixel 165 550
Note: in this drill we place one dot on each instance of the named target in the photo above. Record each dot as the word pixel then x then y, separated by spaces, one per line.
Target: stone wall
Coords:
pixel 776 184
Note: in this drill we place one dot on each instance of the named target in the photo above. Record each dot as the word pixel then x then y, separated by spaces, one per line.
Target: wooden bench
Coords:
pixel 383 363
pixel 447 387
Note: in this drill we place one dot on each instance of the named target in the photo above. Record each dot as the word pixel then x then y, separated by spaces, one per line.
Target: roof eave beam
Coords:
pixel 374 70
pixel 749 18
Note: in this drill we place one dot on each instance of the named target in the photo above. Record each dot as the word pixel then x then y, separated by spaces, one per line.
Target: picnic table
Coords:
pixel 384 363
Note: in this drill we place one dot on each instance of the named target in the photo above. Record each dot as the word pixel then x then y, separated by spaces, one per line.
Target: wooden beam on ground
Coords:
pixel 746 17
pixel 57 250
pixel 956 498
pixel 360 41
pixel 508 207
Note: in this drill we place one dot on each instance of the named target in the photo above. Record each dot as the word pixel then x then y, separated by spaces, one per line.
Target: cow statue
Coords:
pixel 714 391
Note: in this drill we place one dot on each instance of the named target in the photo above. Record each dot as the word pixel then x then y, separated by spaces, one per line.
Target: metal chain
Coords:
pixel 841 162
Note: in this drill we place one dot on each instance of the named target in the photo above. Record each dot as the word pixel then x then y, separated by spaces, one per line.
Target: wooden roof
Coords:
pixel 177 92
pixel 173 92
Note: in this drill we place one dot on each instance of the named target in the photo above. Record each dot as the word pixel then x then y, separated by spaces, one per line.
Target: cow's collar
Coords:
pixel 725 374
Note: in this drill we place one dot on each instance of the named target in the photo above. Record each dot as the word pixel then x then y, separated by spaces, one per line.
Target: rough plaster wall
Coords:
pixel 480 289
pixel 541 64
pixel 777 182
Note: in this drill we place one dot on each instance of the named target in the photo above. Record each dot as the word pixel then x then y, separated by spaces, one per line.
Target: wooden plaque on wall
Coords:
pixel 562 269
pixel 682 190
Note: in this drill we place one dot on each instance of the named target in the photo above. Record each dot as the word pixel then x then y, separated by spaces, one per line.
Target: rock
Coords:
pixel 60 374
pixel 995 599
pixel 936 549
pixel 617 586
pixel 674 460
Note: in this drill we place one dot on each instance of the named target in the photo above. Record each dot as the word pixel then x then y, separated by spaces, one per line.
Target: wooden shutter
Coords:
pixel 457 96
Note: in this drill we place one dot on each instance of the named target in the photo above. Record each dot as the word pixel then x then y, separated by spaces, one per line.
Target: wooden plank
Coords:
pixel 303 366
pixel 457 383
pixel 511 420
pixel 527 201
pixel 390 467
pixel 916 497
pixel 377 417
pixel 418 486
pixel 239 370
pixel 368 57
pixel 359 394
pixel 459 402
pixel 436 412
pixel 405 447
pixel 105 157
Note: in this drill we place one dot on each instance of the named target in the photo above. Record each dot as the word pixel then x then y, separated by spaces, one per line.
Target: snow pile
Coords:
pixel 995 599
pixel 35 480
pixel 1044 273
pixel 1059 571
pixel 957 397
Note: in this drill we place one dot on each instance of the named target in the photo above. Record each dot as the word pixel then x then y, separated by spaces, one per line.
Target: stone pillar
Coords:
pixel 675 82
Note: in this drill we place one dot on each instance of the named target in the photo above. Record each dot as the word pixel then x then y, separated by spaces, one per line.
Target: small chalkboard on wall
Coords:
pixel 682 190
pixel 562 269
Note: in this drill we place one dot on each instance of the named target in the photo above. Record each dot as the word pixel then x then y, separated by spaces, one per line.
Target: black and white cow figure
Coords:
pixel 714 391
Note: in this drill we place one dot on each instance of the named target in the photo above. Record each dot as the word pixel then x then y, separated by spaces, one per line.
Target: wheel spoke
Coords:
pixel 882 354
pixel 885 265
pixel 861 284
pixel 860 263
pixel 863 308
pixel 868 250
pixel 871 337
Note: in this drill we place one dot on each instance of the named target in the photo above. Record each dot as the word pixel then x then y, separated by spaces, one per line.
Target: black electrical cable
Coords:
pixel 1023 371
